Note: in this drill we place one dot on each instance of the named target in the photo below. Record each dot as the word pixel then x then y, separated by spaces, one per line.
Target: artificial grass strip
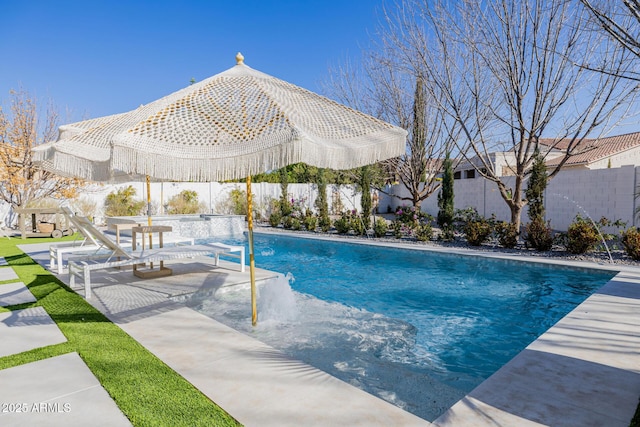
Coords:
pixel 147 391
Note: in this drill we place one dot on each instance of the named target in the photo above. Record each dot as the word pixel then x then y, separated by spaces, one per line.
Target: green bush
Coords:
pixel 187 203
pixel 324 223
pixel 342 224
pixel 357 225
pixel 582 236
pixel 275 218
pixel 631 243
pixel 380 227
pixel 538 235
pixel 507 234
pixel 310 222
pixel 287 222
pixel 397 229
pixel 296 224
pixel 477 232
pixel 122 203
pixel 424 232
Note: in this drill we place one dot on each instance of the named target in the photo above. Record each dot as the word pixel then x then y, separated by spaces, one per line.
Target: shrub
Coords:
pixel 122 203
pixel 342 224
pixel 507 234
pixel 424 232
pixel 287 222
pixel 410 216
pixel 397 229
pixel 582 236
pixel 187 203
pixel 275 218
pixel 357 225
pixel 477 231
pixel 325 223
pixel 380 227
pixel 538 235
pixel 631 243
pixel 295 224
pixel 310 222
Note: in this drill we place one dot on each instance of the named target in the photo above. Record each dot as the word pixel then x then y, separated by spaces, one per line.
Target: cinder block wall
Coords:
pixel 596 193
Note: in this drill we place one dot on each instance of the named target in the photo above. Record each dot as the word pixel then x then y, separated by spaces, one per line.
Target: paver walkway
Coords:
pixel 59 391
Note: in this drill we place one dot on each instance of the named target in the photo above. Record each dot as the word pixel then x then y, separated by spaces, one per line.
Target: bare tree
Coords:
pixel 505 71
pixel 621 20
pixel 21 182
pixel 391 90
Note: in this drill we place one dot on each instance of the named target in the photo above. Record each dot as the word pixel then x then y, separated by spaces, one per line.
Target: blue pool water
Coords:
pixel 417 328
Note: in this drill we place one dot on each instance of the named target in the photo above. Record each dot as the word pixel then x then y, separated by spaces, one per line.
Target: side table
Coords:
pixel 150 229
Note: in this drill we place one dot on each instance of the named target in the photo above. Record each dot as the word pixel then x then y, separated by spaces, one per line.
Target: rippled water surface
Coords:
pixel 417 328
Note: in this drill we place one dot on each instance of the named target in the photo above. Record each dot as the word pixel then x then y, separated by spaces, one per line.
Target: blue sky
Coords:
pixel 94 58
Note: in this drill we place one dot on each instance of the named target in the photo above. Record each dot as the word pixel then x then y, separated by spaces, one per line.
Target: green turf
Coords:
pixel 147 391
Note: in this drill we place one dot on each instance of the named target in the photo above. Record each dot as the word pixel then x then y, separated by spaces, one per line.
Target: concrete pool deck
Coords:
pixel 583 371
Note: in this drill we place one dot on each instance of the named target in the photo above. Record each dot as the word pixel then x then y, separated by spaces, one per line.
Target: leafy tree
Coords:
pixel 185 203
pixel 21 181
pixel 446 210
pixel 122 203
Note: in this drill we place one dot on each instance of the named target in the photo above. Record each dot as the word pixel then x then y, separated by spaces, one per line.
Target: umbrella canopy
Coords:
pixel 237 123
pixel 233 125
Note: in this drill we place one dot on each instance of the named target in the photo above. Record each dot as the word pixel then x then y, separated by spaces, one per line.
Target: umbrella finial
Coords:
pixel 239 59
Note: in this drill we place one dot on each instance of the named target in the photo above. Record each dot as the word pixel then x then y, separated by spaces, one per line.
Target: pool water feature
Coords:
pixel 419 329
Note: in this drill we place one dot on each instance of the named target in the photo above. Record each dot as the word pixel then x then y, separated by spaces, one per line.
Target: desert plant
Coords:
pixel 538 235
pixel 631 243
pixel 380 227
pixel 506 234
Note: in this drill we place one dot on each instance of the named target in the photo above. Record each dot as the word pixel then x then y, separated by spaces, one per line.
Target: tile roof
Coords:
pixel 596 149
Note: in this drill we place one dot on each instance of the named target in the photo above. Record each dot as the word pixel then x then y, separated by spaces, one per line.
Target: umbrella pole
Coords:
pixel 252 264
pixel 149 210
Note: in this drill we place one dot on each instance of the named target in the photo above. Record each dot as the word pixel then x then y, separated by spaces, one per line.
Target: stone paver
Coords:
pixel 59 391
pixel 15 293
pixel 7 273
pixel 22 330
pixel 3 262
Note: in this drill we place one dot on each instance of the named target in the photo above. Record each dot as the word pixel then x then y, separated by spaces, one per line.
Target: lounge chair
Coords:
pixel 89 243
pixel 117 256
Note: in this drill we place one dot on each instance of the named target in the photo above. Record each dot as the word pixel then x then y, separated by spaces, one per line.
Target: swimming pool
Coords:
pixel 417 328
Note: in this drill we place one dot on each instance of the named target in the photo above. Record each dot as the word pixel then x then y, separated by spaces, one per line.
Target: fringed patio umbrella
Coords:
pixel 230 126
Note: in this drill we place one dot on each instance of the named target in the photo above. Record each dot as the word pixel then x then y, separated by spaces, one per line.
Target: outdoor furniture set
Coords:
pixel 107 253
